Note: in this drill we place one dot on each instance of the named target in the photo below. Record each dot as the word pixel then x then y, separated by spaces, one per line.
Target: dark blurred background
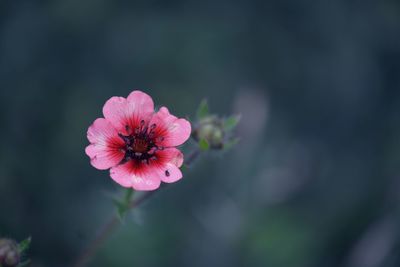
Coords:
pixel 314 181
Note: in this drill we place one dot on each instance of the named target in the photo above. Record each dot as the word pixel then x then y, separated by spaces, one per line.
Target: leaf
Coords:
pixel 128 195
pixel 231 122
pixel 231 143
pixel 120 209
pixel 123 205
pixel 184 167
pixel 204 145
pixel 24 245
pixel 202 110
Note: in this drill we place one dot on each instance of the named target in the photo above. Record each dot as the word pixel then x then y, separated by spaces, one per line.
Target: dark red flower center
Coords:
pixel 140 143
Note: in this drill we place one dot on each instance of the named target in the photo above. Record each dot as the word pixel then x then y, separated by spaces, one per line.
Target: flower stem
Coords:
pixel 114 221
pixel 192 157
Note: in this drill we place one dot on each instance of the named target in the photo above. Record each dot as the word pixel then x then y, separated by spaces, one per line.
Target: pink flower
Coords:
pixel 137 143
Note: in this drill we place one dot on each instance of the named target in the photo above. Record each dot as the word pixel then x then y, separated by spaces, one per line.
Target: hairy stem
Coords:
pixel 112 224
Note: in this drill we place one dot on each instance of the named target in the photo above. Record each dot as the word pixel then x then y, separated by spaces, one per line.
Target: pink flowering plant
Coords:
pixel 139 147
pixel 13 254
pixel 136 143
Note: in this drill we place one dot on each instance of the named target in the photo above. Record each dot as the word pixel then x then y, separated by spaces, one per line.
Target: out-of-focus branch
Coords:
pixel 112 224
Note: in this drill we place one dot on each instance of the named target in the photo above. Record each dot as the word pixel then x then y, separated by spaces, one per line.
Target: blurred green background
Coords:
pixel 314 181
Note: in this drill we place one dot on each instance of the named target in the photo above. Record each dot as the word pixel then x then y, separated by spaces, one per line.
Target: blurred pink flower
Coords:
pixel 137 143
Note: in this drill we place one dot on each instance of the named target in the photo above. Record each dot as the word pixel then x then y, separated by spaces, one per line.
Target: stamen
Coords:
pixel 124 138
pixel 152 150
pixel 140 143
pixel 128 129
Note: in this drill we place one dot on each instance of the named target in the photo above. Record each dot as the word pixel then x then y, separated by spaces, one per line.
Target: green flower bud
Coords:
pixel 9 253
pixel 211 130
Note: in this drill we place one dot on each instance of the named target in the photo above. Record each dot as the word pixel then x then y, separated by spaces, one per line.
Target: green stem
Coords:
pixel 112 224
pixel 108 229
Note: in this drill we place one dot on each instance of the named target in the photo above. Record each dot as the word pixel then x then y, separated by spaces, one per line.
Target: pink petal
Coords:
pixel 167 172
pixel 141 100
pixel 169 161
pixel 146 177
pixel 172 174
pixel 121 111
pixel 170 155
pixel 128 175
pixel 174 131
pixel 104 150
